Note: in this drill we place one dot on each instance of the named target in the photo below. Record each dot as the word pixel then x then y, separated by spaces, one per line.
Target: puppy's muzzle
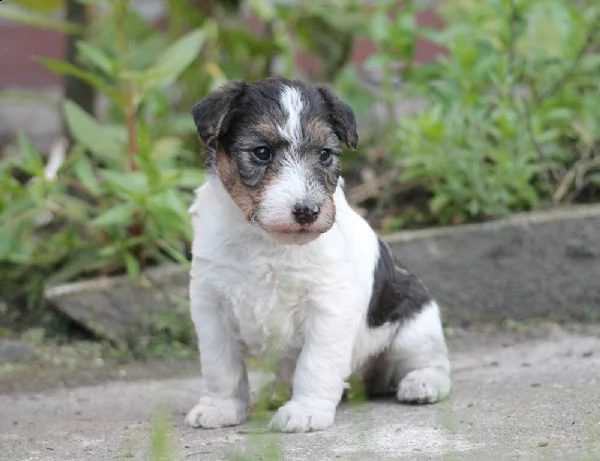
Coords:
pixel 306 212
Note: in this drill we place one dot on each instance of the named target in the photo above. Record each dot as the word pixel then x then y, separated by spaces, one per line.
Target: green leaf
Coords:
pixel 93 2
pixel 40 21
pixel 65 68
pixel 380 27
pixel 172 62
pixel 78 263
pixel 438 202
pixel 32 159
pixel 42 6
pixel 85 173
pixel 95 56
pixel 130 185
pixel 132 265
pixel 173 252
pixel 171 201
pixel 191 177
pixel 165 149
pixel 118 215
pixel 264 10
pixel 90 133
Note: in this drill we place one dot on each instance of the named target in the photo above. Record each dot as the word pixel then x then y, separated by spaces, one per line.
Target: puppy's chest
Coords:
pixel 270 300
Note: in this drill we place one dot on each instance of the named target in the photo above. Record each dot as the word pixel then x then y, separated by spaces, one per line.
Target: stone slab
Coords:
pixel 118 308
pixel 534 265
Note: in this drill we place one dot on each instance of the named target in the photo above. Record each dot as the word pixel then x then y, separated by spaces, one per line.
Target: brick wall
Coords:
pixel 19 47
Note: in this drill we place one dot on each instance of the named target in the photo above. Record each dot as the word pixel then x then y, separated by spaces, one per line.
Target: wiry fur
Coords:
pixel 259 276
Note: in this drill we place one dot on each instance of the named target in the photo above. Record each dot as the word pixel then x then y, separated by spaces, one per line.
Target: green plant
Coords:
pixel 507 117
pixel 163 446
pixel 34 13
pixel 167 335
pixel 119 200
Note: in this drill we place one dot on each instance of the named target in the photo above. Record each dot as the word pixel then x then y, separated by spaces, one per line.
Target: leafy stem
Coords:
pixel 127 84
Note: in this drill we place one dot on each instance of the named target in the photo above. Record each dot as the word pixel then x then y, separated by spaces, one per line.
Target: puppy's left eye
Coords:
pixel 325 155
pixel 263 154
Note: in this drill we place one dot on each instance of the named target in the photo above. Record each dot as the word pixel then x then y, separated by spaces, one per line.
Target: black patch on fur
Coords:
pixel 397 294
pixel 341 117
pixel 210 112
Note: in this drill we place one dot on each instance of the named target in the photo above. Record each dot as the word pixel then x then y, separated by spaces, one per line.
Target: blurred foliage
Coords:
pixel 507 118
pixel 163 445
pixel 34 13
pixel 117 200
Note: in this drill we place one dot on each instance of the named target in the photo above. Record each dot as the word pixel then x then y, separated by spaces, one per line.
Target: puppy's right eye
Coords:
pixel 263 154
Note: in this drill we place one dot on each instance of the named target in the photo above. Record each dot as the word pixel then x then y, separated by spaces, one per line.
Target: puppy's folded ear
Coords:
pixel 209 113
pixel 341 117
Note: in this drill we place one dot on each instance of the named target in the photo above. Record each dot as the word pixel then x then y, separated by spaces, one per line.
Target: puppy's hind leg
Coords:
pixel 414 363
pixel 418 358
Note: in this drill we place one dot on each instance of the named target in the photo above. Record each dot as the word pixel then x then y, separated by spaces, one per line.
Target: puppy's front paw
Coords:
pixel 212 413
pixel 303 417
pixel 426 385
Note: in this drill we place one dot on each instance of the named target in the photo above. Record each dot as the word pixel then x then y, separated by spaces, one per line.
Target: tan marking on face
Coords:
pixel 327 217
pixel 268 131
pixel 232 182
pixel 319 130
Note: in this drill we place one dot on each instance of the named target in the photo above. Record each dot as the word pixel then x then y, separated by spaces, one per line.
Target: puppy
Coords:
pixel 279 256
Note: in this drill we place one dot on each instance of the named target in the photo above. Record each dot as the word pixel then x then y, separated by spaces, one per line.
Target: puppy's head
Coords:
pixel 276 146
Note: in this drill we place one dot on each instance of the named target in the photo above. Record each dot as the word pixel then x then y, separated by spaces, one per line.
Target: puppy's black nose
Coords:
pixel 306 213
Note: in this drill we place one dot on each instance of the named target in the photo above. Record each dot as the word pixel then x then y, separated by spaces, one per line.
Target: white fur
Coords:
pixel 247 289
pixel 293 186
pixel 280 197
pixel 422 353
pixel 292 103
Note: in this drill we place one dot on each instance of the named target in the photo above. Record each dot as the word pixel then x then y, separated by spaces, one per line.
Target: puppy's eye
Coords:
pixel 325 155
pixel 263 153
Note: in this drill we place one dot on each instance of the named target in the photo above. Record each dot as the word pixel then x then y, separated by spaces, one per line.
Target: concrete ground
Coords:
pixel 526 399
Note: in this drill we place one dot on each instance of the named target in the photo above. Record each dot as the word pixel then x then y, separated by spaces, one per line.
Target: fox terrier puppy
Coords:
pixel 280 257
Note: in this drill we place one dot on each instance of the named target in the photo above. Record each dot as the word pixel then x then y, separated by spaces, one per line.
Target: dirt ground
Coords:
pixel 531 395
